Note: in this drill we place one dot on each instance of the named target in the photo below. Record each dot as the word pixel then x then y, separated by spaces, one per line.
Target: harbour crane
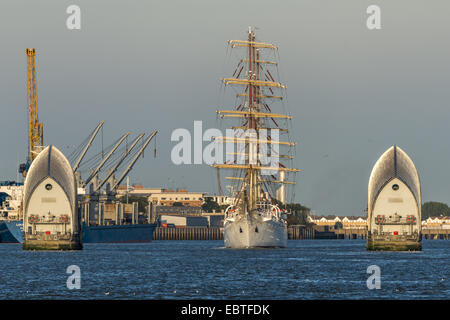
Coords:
pixel 36 137
pixel 102 163
pixel 131 164
pixel 35 128
pixel 116 166
pixel 83 153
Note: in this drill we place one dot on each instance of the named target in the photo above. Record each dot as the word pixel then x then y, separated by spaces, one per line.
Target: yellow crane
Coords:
pixel 36 138
pixel 35 128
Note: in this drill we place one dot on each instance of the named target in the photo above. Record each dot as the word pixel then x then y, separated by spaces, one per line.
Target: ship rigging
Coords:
pixel 254 107
pixel 262 153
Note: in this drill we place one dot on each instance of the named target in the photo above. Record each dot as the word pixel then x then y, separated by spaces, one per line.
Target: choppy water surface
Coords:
pixel 308 269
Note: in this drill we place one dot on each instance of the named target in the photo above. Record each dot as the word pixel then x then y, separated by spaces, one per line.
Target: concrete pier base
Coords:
pixel 51 246
pixel 393 245
pixel 58 245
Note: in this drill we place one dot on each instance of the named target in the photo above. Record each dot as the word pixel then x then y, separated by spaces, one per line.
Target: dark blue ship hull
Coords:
pixel 11 231
pixel 128 233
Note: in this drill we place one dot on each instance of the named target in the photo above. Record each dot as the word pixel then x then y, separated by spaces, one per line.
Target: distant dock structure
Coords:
pixel 394 204
pixel 51 219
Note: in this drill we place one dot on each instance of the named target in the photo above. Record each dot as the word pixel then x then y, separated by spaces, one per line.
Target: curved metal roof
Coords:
pixel 52 163
pixel 394 163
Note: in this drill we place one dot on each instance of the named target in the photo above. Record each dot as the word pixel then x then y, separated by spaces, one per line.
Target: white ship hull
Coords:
pixel 243 232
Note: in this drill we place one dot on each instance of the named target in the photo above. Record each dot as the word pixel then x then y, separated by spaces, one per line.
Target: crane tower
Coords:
pixel 35 135
pixel 35 128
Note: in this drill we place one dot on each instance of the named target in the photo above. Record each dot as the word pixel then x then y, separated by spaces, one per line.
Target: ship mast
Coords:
pixel 251 172
pixel 254 119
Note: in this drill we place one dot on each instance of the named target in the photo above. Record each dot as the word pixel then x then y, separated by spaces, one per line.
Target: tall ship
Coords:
pixel 259 151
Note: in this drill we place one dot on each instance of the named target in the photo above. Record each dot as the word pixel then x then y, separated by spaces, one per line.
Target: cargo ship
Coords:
pixel 256 219
pixel 11 224
pixel 12 232
pixel 132 233
pixel 115 222
pixel 105 218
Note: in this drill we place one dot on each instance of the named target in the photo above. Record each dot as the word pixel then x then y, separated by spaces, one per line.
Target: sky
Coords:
pixel 156 65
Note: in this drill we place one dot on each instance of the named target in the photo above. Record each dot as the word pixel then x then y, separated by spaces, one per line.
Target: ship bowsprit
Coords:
pixel 51 218
pixel 254 232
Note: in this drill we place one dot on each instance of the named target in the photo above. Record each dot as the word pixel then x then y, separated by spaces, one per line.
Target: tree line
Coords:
pixel 435 209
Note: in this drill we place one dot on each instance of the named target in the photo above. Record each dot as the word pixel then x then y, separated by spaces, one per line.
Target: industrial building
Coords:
pixel 221 200
pixel 137 190
pixel 51 220
pixel 339 222
pixel 183 221
pixel 205 221
pixel 177 210
pixel 394 203
pixel 442 223
pixel 164 197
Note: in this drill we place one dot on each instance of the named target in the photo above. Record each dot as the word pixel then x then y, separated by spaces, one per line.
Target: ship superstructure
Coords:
pixel 11 225
pixel 258 149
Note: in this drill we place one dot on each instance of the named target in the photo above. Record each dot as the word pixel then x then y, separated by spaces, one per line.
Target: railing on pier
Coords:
pixel 190 233
pixel 357 233
pixel 294 233
pixel 201 233
pixel 436 234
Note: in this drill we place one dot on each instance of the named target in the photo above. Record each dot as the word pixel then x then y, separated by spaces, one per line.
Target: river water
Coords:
pixel 306 269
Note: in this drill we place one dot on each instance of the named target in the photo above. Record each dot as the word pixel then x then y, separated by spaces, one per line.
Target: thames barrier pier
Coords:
pixel 394 204
pixel 51 219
